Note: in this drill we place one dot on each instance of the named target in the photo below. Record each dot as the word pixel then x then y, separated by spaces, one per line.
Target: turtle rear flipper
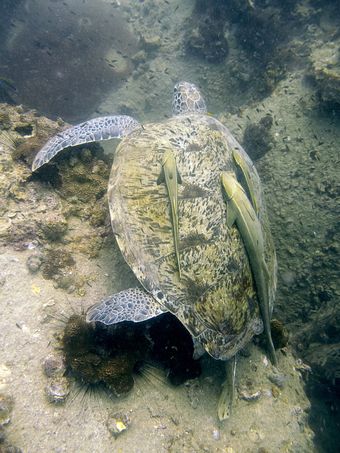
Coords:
pixel 97 129
pixel 133 304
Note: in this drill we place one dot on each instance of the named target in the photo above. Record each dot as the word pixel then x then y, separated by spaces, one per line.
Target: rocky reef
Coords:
pixel 56 225
pixel 325 61
pixel 71 192
pixel 205 34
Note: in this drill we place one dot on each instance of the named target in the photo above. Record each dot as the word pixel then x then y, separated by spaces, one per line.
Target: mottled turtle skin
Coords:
pixel 215 297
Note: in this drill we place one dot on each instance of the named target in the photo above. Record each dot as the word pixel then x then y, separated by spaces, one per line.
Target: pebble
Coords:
pixel 118 423
pixel 33 263
pixel 54 366
pixel 278 379
pixel 57 390
pixel 216 434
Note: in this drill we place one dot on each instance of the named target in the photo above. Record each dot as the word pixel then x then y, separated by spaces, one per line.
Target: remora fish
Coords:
pixel 239 160
pixel 241 212
pixel 172 178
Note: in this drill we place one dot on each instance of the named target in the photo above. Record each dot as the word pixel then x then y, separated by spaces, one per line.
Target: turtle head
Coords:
pixel 187 99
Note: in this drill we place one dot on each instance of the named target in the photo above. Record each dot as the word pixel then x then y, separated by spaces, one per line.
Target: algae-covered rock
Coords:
pixel 61 211
pixel 326 69
pixel 321 340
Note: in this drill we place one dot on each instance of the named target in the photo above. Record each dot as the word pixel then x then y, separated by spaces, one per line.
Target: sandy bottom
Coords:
pixel 163 417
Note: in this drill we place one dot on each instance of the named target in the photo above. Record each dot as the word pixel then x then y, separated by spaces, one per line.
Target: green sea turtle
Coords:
pixel 188 214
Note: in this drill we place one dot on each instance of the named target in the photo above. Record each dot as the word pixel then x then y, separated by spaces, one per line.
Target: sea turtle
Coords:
pixel 188 214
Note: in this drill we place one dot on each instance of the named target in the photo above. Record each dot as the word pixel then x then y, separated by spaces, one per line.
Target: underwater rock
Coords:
pixel 149 43
pixel 5 121
pixel 84 179
pixel 324 360
pixel 55 262
pixel 257 138
pixel 205 32
pixel 2 435
pixel 321 346
pixel 206 42
pixel 325 61
pixel 54 227
pixel 280 334
pixel 278 379
pixel 37 210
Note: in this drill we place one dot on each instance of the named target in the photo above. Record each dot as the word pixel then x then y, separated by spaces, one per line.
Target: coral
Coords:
pixel 88 244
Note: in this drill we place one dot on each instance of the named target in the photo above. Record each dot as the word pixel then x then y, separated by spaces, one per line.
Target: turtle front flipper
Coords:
pixel 226 401
pixel 132 304
pixel 97 129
